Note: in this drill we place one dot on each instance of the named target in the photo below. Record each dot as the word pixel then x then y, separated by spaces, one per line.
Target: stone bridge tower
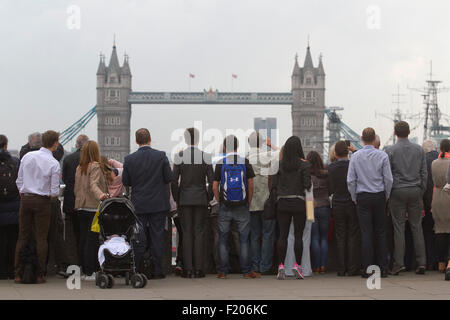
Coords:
pixel 308 107
pixel 113 109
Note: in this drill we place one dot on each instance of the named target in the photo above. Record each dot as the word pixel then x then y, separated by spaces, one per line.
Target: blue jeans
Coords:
pixel 319 236
pixel 261 254
pixel 242 217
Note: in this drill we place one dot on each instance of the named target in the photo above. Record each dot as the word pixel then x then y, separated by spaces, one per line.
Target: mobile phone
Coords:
pixel 347 142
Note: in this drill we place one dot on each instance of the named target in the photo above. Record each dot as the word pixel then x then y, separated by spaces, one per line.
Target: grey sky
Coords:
pixel 48 71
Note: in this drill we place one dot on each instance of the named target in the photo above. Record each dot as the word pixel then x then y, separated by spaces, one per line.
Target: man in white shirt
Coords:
pixel 38 182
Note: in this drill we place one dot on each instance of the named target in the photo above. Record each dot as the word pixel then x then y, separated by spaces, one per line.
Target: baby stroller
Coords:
pixel 117 217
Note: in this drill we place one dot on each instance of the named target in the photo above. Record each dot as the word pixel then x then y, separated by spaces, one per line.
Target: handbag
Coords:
pixel 95 227
pixel 309 199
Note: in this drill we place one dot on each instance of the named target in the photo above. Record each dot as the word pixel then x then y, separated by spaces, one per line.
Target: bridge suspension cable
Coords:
pixel 69 133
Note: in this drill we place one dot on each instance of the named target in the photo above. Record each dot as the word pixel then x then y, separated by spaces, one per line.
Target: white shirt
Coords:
pixel 39 173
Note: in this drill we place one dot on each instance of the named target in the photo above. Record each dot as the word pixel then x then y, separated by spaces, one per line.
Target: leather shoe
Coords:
pixel 157 276
pixel 186 274
pixel 420 270
pixel 199 274
pixel 384 273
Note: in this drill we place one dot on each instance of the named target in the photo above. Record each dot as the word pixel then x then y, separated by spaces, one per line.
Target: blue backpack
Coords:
pixel 234 181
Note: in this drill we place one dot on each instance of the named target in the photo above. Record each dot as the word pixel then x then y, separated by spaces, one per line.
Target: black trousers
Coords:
pixel 179 258
pixel 372 221
pixel 8 240
pixel 71 237
pixel 284 219
pixel 348 237
pixel 151 239
pixel 88 244
pixel 193 220
pixel 443 245
pixel 57 259
pixel 429 237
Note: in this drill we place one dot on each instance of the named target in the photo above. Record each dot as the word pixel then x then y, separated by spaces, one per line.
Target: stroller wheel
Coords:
pixel 103 281
pixel 145 280
pixel 137 280
pixel 110 281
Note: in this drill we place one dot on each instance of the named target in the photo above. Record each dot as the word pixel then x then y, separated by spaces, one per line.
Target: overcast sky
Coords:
pixel 48 70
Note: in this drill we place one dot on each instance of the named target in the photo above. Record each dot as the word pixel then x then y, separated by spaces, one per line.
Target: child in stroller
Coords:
pixel 117 222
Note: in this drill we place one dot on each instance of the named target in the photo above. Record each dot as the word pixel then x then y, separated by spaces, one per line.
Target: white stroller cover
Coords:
pixel 116 245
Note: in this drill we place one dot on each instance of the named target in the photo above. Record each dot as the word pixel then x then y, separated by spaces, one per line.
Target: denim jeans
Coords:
pixel 261 253
pixel 319 236
pixel 242 217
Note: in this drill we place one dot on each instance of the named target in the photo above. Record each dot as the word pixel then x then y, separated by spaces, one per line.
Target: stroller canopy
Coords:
pixel 116 216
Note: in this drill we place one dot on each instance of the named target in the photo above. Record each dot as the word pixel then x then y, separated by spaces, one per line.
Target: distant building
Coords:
pixel 113 109
pixel 267 127
pixel 308 108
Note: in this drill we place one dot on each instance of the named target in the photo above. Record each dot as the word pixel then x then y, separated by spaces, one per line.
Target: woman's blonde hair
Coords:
pixel 331 155
pixel 106 168
pixel 89 153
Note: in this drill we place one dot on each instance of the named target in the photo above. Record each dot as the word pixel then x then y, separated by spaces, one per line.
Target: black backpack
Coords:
pixel 8 177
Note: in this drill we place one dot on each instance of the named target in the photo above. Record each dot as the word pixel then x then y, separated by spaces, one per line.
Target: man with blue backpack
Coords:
pixel 233 189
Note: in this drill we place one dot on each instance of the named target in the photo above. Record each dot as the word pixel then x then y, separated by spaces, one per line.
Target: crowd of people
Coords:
pixel 377 202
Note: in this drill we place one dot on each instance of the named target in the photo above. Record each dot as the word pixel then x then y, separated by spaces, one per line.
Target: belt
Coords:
pixel 34 195
pixel 291 197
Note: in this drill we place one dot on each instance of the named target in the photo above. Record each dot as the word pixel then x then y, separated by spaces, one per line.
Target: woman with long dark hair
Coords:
pixel 289 184
pixel 441 205
pixel 320 227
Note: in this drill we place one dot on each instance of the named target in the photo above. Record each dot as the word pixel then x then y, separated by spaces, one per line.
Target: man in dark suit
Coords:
pixel 70 164
pixel 147 171
pixel 192 169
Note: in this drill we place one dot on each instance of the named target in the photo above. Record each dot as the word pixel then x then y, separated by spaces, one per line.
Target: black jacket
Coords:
pixel 25 149
pixel 58 154
pixel 9 211
pixel 292 183
pixel 70 164
pixel 191 171
pixel 147 171
pixel 337 175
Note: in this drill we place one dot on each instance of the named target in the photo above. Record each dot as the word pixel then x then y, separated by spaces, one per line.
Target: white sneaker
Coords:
pixel 89 278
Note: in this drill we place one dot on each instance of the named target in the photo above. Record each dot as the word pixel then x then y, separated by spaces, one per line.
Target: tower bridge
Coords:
pixel 115 97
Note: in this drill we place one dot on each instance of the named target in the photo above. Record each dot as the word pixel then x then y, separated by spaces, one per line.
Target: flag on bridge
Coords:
pixel 234 76
pixel 191 75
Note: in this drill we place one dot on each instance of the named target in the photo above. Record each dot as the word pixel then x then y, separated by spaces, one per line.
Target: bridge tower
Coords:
pixel 113 109
pixel 308 107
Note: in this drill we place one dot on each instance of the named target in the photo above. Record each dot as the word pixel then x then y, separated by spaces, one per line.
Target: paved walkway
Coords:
pixel 405 286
